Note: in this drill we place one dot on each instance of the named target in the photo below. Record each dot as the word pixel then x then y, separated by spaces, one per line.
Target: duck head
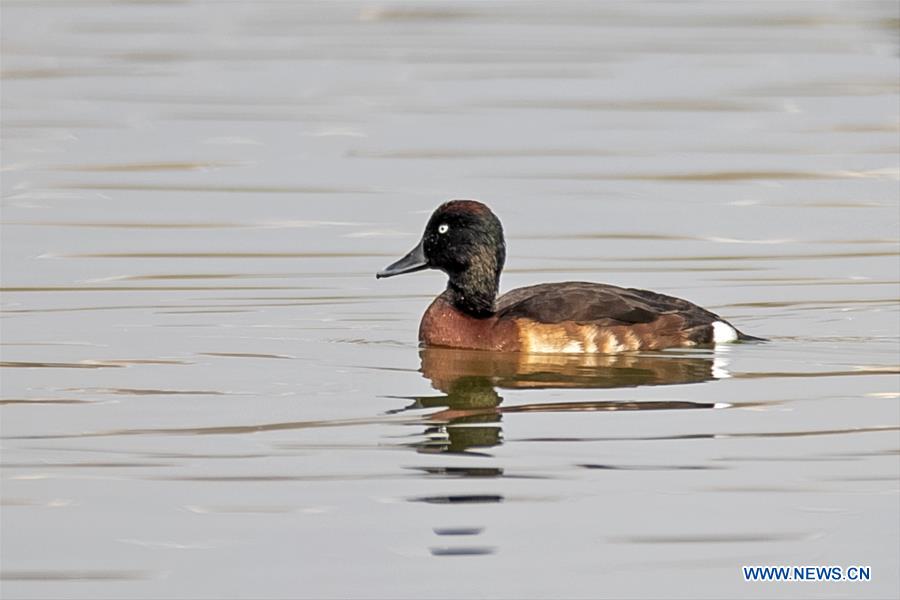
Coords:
pixel 464 239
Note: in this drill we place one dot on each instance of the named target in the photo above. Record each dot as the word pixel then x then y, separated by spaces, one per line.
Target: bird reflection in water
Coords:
pixel 469 411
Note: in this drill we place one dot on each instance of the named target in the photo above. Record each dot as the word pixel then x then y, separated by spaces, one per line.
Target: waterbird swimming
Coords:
pixel 464 239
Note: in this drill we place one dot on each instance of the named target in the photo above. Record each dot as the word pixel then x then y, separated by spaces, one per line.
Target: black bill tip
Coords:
pixel 412 262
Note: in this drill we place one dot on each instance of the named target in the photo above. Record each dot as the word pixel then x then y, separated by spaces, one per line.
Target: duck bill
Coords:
pixel 412 262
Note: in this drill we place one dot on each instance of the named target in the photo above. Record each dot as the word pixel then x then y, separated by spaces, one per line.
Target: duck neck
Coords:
pixel 473 293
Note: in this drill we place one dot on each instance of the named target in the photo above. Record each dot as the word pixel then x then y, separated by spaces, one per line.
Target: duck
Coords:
pixel 464 239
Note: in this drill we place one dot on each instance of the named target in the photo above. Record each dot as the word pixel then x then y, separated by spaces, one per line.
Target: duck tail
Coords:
pixel 743 337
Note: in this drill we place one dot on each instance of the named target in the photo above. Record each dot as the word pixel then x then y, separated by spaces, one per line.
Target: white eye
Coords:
pixel 443 228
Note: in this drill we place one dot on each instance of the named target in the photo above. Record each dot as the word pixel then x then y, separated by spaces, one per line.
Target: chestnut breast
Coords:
pixel 445 325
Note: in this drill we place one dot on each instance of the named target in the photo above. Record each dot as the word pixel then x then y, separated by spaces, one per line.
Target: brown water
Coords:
pixel 206 393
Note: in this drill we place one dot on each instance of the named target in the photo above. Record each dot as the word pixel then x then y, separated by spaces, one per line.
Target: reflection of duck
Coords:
pixel 470 407
pixel 464 239
pixel 443 366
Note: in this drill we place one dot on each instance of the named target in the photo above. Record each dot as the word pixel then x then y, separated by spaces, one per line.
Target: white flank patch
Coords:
pixel 573 347
pixel 723 333
pixel 614 347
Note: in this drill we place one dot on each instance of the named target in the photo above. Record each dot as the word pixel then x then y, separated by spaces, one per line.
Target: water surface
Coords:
pixel 206 393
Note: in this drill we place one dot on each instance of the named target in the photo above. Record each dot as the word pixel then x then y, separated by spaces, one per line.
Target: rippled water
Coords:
pixel 206 393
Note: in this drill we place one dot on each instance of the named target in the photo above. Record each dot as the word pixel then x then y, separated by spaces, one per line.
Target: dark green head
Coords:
pixel 464 239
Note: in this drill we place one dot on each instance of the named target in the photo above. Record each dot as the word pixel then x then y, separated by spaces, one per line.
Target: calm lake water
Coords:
pixel 206 393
